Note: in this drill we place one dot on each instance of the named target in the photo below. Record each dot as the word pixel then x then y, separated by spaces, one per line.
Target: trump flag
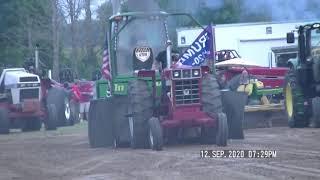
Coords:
pixel 200 50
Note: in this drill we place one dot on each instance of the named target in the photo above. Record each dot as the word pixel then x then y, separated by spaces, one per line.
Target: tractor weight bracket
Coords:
pixel 146 73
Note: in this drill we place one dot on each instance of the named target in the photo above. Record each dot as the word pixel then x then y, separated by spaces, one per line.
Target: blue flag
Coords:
pixel 199 50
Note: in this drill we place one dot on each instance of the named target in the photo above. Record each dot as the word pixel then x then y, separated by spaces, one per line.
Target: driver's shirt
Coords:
pixel 162 58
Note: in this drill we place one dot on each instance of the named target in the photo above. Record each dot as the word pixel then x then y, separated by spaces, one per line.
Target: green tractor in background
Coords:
pixel 142 105
pixel 302 87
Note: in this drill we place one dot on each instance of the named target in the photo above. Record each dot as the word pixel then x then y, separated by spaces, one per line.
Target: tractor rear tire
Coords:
pixel 222 130
pixel 140 110
pixel 60 98
pixel 212 105
pixel 316 111
pixel 297 113
pixel 155 134
pixel 211 95
pixel 4 122
pixel 100 126
pixel 52 118
pixel 31 124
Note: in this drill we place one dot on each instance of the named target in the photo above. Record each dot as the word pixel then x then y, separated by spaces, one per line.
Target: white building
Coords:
pixel 263 43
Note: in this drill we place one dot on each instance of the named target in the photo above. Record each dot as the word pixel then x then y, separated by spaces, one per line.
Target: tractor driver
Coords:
pixel 160 62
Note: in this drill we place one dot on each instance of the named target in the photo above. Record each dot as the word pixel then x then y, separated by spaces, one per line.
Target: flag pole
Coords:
pixel 213 47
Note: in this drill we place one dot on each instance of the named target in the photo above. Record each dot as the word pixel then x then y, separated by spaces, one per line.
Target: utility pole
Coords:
pixel 36 54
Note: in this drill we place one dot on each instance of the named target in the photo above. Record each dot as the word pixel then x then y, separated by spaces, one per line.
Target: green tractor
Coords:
pixel 144 106
pixel 302 87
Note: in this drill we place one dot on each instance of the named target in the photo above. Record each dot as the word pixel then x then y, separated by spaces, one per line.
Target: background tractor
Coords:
pixel 263 85
pixel 24 102
pixel 302 88
pixel 145 106
pixel 64 95
pixel 28 97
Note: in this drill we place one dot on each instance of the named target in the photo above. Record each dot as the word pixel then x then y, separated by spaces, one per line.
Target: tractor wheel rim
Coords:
pixel 289 100
pixel 151 138
pixel 115 144
pixel 67 111
pixel 131 126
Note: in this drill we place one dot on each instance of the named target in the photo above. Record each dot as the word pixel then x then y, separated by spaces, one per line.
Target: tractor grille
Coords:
pixel 187 91
pixel 29 79
pixel 29 94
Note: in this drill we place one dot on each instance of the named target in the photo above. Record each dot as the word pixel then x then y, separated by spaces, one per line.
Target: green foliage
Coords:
pixel 27 22
pixel 23 24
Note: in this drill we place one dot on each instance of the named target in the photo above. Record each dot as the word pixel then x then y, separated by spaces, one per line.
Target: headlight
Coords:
pixel 316 25
pixel 22 85
pixel 176 74
pixel 196 73
pixel 186 73
pixel 35 84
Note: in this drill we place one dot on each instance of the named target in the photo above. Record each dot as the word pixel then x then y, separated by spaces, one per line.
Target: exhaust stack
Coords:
pixel 169 50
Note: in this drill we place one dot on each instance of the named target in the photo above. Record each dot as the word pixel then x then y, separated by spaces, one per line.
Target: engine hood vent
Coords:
pixel 29 79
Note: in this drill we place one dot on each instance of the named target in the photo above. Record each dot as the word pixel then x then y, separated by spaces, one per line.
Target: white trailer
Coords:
pixel 262 43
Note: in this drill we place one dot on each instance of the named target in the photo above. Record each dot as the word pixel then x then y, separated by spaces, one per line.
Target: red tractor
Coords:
pixel 263 85
pixel 149 107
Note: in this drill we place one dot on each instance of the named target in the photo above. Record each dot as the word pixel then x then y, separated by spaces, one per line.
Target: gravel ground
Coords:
pixel 65 154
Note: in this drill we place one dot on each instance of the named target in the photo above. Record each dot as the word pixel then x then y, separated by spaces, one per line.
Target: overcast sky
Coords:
pixel 94 6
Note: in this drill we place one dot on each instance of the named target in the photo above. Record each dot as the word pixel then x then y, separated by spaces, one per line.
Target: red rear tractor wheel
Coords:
pixel 60 98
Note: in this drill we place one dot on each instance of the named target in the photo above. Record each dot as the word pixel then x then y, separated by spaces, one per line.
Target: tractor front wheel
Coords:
pixel 4 122
pixel 296 111
pixel 155 134
pixel 222 130
pixel 316 112
pixel 52 118
pixel 100 126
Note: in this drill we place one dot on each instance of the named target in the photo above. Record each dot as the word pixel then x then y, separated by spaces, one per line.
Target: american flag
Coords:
pixel 106 63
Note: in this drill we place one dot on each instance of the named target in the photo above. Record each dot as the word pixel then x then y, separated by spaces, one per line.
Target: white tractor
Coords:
pixel 22 102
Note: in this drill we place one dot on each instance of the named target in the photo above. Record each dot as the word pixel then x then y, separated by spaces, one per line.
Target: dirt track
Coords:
pixel 65 154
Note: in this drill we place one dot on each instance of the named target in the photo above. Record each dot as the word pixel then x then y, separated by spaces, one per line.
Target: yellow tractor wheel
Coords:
pixel 289 100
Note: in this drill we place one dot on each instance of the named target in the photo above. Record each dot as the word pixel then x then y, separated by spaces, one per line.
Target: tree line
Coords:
pixel 69 36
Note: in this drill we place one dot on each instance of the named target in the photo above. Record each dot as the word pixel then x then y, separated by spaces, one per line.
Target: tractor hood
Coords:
pixel 237 62
pixel 13 77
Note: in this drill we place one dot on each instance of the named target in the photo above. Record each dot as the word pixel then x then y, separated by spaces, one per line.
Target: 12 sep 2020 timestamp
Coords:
pixel 238 153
